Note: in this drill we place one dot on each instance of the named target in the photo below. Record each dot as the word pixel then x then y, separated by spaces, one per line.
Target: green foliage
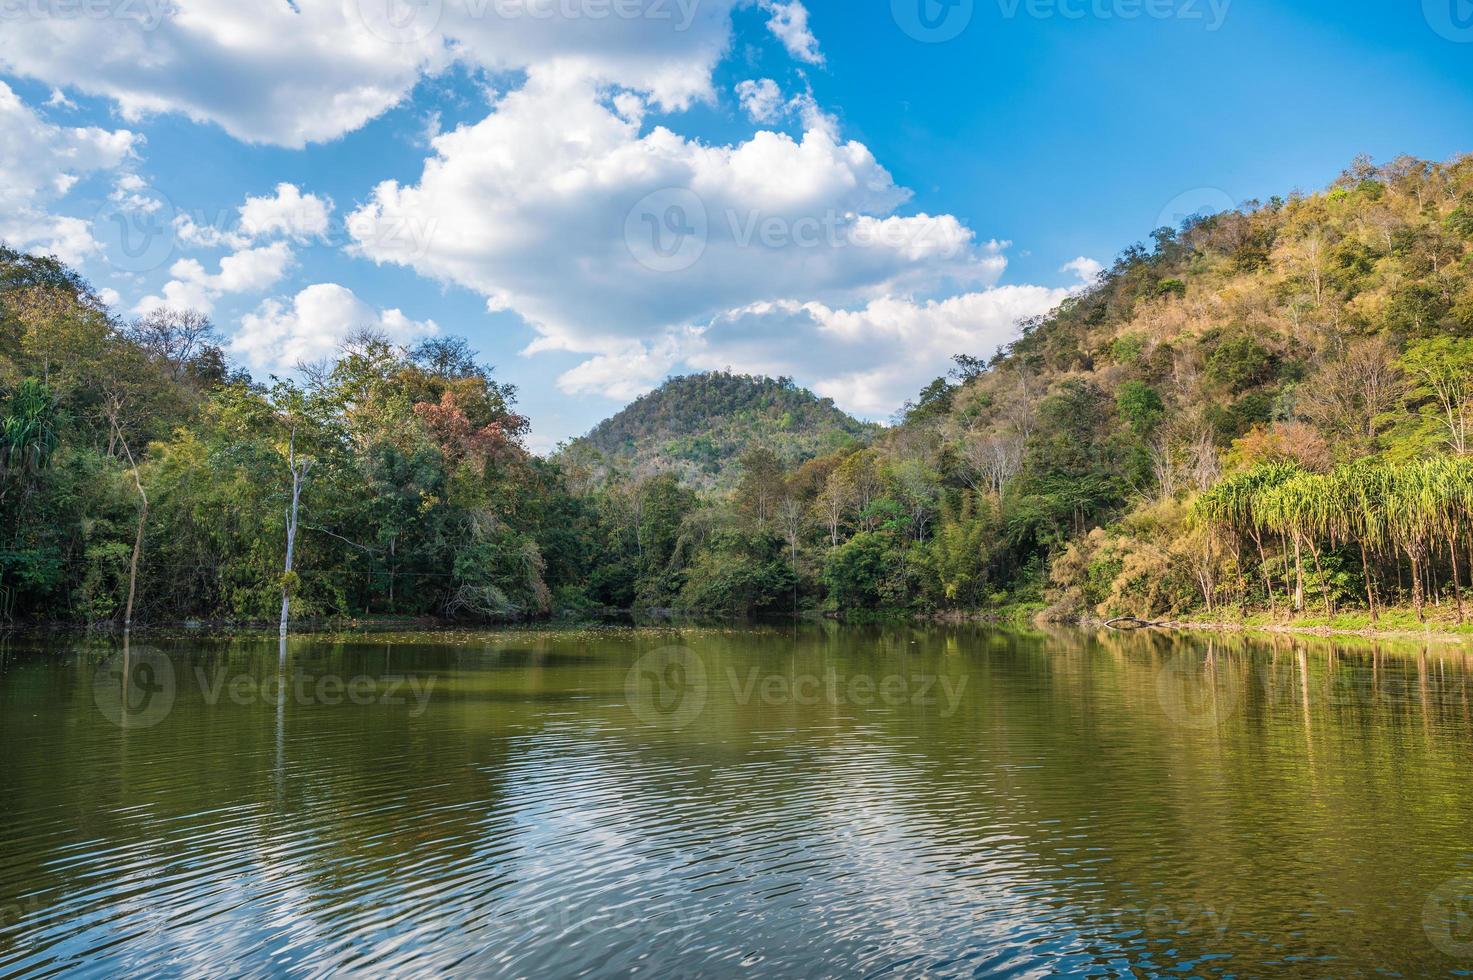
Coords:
pixel 1127 348
pixel 698 426
pixel 1238 362
pixel 1086 459
pixel 855 573
pixel 1140 406
pixel 739 573
pixel 958 558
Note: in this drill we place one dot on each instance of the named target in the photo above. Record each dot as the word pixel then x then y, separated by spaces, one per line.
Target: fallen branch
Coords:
pixel 1130 623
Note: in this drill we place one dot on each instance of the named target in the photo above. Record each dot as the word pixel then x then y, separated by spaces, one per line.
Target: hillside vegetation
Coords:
pixel 697 426
pixel 1267 408
pixel 1265 412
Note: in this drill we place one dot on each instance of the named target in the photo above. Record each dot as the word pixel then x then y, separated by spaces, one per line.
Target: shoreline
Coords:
pixel 1432 630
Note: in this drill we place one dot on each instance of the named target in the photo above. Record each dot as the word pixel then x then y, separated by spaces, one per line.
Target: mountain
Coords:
pixel 698 425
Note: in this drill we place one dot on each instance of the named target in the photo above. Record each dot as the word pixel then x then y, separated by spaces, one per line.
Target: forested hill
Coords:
pixel 1269 409
pixel 697 426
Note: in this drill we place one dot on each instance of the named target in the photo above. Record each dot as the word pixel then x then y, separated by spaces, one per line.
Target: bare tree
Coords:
pixel 175 337
pixel 1203 464
pixel 114 415
pixel 1353 395
pixel 1165 469
pixel 833 502
pixel 1307 257
pixel 792 516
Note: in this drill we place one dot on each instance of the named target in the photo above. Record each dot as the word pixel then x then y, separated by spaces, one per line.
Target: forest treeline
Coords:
pixel 1266 409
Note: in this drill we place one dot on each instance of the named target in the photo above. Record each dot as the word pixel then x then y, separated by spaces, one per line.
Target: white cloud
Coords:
pixel 288 213
pixel 761 99
pixel 625 374
pixel 1087 269
pixel 788 20
pixel 296 73
pixel 280 335
pixel 250 270
pixel 39 163
pixel 869 359
pixel 560 223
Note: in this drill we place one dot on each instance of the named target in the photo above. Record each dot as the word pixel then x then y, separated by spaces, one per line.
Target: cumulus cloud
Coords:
pixel 297 73
pixel 252 267
pixel 288 213
pixel 597 235
pixel 41 162
pixel 788 21
pixel 761 99
pixel 281 334
pixel 869 359
pixel 1088 270
pixel 250 270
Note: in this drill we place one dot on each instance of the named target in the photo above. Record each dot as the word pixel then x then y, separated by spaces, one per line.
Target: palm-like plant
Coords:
pixel 28 436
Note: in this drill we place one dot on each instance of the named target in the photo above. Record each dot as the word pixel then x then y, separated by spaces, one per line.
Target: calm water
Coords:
pixel 822 801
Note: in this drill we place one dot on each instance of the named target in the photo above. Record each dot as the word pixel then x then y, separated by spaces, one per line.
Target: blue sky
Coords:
pixel 873 194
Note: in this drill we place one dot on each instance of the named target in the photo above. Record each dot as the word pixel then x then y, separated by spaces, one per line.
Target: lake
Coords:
pixel 812 800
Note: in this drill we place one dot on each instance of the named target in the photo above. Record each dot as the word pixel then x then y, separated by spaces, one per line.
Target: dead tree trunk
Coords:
pixel 299 476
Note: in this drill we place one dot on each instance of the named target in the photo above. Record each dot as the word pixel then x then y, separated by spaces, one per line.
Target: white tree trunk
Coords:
pixel 298 473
